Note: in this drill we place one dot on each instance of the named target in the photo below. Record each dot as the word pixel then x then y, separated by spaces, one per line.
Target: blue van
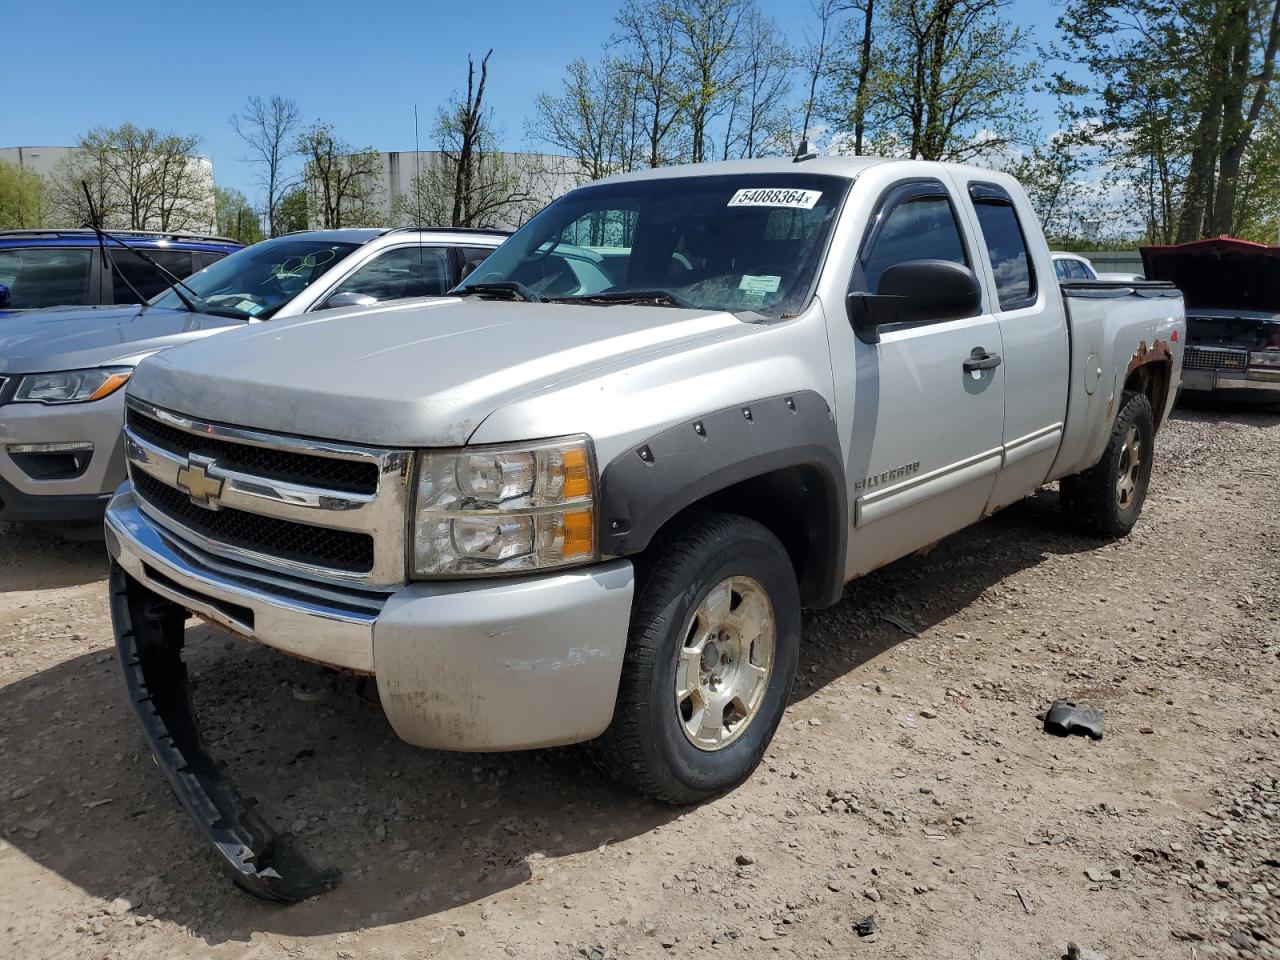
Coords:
pixel 56 268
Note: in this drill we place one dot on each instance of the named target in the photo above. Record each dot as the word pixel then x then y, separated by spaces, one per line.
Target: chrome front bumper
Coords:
pixel 497 664
pixel 1262 384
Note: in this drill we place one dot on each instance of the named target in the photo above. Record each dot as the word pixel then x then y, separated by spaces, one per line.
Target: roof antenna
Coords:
pixel 803 152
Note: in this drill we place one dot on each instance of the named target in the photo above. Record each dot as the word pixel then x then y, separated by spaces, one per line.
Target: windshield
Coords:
pixel 259 280
pixel 735 243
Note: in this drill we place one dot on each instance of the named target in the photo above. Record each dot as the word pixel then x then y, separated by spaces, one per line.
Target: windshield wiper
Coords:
pixel 512 289
pixel 657 298
pixel 169 278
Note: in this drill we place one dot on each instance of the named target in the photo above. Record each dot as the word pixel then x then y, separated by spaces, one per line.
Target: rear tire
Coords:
pixel 1106 500
pixel 711 657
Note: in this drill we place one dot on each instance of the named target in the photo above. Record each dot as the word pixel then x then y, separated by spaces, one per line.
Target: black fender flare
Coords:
pixel 644 487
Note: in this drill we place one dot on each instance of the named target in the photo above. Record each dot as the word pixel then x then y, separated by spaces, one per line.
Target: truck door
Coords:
pixel 928 408
pixel 1033 328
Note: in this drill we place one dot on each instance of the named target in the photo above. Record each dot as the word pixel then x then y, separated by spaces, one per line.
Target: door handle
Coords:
pixel 980 359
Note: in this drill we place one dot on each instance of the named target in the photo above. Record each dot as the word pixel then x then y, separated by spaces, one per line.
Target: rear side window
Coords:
pixel 147 279
pixel 919 227
pixel 1006 246
pixel 1060 268
pixel 207 259
pixel 46 276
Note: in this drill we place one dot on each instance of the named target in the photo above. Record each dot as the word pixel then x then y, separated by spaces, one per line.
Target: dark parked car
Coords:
pixel 1232 289
pixel 63 268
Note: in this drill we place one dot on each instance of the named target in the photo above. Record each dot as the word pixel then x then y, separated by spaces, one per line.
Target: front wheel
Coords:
pixel 1105 500
pixel 711 657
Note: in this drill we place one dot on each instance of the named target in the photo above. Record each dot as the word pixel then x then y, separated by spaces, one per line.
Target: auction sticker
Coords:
pixel 775 197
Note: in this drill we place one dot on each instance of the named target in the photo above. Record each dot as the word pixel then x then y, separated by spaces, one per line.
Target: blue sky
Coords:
pixel 70 65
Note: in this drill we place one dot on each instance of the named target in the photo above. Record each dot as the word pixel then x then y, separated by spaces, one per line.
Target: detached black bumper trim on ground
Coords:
pixel 149 638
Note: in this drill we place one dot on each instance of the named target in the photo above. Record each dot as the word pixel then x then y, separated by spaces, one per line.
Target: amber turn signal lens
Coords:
pixel 577 474
pixel 578 530
pixel 110 386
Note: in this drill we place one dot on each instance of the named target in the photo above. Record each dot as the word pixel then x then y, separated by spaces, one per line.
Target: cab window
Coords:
pixel 918 222
pixel 1006 246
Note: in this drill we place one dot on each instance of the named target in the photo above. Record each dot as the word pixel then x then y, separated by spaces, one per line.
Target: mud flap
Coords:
pixel 149 637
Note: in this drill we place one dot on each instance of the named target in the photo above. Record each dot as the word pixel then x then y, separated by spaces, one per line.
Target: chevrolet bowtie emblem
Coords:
pixel 194 478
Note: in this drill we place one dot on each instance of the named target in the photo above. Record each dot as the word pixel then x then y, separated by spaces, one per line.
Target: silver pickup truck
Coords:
pixel 586 498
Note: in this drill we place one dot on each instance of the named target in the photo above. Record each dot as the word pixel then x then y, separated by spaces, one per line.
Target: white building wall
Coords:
pixel 547 176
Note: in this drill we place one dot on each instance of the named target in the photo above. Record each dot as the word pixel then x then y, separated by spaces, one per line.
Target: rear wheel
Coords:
pixel 711 656
pixel 1106 500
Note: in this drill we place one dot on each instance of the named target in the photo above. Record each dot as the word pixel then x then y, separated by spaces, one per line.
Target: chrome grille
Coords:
pixel 1214 358
pixel 327 511
pixel 350 476
pixel 336 549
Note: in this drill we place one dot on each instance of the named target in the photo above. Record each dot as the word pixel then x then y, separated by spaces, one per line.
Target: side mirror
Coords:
pixel 4 296
pixel 349 300
pixel 913 292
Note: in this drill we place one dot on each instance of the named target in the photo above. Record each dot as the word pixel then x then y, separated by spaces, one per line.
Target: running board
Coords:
pixel 149 636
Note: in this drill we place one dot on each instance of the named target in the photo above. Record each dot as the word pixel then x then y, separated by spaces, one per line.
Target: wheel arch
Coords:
pixel 1150 372
pixel 775 460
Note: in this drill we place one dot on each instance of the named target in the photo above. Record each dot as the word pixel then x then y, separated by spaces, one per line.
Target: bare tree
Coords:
pixel 342 183
pixel 484 181
pixel 818 52
pixel 269 128
pixel 755 118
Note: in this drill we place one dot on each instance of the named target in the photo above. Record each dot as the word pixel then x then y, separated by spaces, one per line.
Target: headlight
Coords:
pixel 71 386
pixel 1268 358
pixel 504 509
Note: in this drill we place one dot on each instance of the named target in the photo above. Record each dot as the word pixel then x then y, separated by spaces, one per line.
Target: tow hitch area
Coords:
pixel 149 637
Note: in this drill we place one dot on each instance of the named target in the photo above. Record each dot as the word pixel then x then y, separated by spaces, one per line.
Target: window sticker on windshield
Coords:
pixel 755 288
pixel 775 197
pixel 755 284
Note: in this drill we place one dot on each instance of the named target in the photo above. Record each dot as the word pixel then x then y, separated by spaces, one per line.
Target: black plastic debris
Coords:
pixel 1066 717
pixel 149 638
pixel 866 926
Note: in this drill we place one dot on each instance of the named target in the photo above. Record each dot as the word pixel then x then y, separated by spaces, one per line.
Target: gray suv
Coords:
pixel 61 370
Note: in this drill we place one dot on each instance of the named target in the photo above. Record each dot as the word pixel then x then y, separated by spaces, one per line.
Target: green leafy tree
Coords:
pixel 293 211
pixel 1177 100
pixel 589 119
pixel 22 198
pixel 945 80
pixel 236 218
pixel 342 182
pixel 140 178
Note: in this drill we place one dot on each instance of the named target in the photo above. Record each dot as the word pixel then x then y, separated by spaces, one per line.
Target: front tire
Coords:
pixel 711 657
pixel 1106 500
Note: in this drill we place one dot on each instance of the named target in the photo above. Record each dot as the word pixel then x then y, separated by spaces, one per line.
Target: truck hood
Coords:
pixel 69 338
pixel 413 375
pixel 1219 274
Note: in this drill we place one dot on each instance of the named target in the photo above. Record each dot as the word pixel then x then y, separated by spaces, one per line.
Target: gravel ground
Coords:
pixel 910 806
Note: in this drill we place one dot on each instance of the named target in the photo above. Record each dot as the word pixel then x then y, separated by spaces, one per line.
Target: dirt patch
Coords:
pixel 909 782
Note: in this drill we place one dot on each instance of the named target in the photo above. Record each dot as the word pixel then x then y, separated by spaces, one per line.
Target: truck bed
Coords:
pixel 1104 319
